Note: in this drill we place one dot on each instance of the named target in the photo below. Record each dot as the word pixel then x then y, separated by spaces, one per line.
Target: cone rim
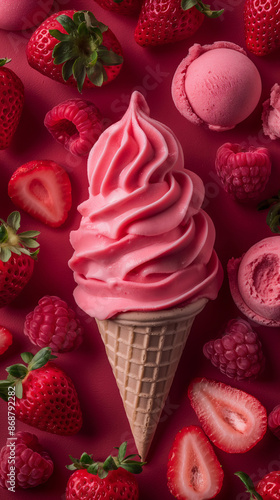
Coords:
pixel 162 315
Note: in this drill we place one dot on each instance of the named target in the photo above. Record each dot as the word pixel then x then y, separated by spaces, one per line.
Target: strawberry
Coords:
pixel 166 21
pixel 45 396
pixel 232 419
pixel 268 488
pixel 109 480
pixel 73 47
pixel 261 22
pixel 6 339
pixel 16 257
pixel 194 471
pixel 127 7
pixel 12 99
pixel 42 188
pixel 76 124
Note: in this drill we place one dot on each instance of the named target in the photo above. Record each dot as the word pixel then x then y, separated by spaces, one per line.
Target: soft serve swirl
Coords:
pixel 144 243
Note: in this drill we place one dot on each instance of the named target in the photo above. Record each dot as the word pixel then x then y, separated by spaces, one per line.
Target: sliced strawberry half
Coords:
pixel 194 472
pixel 43 189
pixel 232 419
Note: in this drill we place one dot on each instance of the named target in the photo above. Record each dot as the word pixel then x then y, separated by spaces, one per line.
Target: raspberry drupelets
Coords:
pixel 76 124
pixel 238 353
pixel 33 465
pixel 53 323
pixel 244 173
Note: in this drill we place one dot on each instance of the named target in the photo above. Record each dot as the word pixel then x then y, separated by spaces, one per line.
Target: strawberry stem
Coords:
pixel 250 488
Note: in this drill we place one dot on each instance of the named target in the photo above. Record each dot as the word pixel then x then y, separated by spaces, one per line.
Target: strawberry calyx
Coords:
pixel 13 242
pixel 199 5
pixel 273 216
pixel 250 488
pixel 4 60
pixel 81 49
pixel 102 469
pixel 17 373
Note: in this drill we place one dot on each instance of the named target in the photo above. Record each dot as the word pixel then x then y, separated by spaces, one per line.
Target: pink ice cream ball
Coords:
pixel 255 282
pixel 216 85
pixel 18 15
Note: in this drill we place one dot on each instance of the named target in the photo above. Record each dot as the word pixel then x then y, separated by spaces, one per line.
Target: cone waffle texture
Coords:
pixel 144 350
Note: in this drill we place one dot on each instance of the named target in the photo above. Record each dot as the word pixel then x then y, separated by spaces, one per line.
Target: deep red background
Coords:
pixel 238 227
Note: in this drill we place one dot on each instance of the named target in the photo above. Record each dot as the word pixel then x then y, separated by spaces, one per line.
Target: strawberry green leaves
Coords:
pixel 273 216
pixel 12 242
pixel 204 8
pixel 101 469
pixel 18 372
pixel 81 49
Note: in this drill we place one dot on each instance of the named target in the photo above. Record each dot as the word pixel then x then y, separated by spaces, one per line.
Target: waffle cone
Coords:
pixel 144 350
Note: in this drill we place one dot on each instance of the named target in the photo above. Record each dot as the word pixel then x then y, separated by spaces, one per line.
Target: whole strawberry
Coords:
pixel 53 323
pixel 168 21
pixel 238 353
pixel 12 99
pixel 17 257
pixel 127 7
pixel 268 488
pixel 33 465
pixel 261 22
pixel 76 124
pixel 243 173
pixel 73 47
pixel 109 480
pixel 45 396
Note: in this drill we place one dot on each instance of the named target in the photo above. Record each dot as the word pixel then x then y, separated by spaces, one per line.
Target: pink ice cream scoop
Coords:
pixel 144 243
pixel 255 282
pixel 271 113
pixel 216 85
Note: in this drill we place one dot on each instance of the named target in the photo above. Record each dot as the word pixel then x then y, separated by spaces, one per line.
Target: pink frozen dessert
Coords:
pixel 271 113
pixel 255 282
pixel 216 85
pixel 144 243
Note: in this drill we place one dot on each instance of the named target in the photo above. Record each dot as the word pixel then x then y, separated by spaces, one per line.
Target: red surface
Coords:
pixel 238 227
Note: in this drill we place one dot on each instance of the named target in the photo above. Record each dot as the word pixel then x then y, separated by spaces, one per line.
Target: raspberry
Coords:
pixel 54 324
pixel 33 465
pixel 274 421
pixel 76 124
pixel 244 174
pixel 238 353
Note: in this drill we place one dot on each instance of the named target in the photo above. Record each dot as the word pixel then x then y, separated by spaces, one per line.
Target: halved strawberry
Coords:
pixel 194 472
pixel 232 419
pixel 43 189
